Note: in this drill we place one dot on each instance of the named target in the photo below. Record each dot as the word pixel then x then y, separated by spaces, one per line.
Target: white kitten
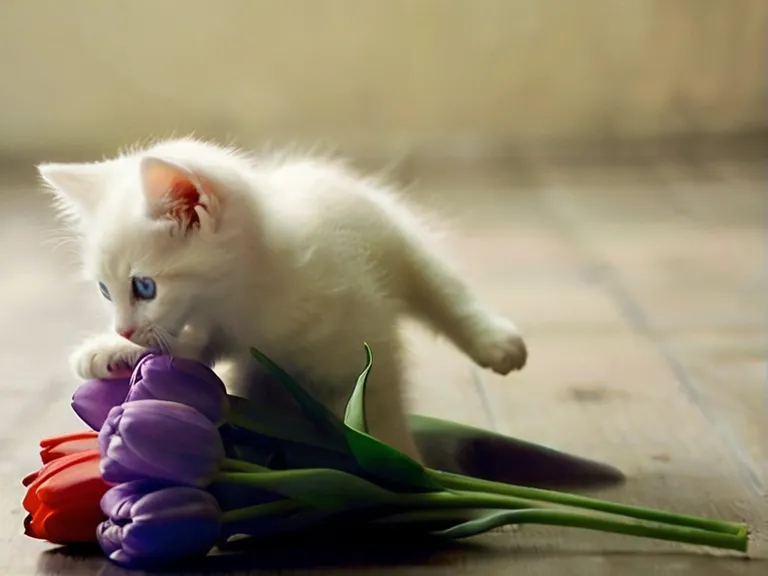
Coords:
pixel 205 252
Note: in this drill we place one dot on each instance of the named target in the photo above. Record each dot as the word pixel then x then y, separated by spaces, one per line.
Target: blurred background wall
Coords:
pixel 384 76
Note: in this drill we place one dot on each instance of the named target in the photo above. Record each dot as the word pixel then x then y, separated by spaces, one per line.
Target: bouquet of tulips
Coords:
pixel 175 467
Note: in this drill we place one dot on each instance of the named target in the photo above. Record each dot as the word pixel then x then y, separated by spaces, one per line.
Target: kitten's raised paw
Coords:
pixel 500 347
pixel 105 357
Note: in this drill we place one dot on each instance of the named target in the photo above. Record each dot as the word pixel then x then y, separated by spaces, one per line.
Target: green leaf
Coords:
pixel 392 466
pixel 477 526
pixel 354 415
pixel 323 419
pixel 322 488
pixel 376 458
pixel 279 426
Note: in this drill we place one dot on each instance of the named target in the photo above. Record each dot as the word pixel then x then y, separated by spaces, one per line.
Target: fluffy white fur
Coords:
pixel 298 257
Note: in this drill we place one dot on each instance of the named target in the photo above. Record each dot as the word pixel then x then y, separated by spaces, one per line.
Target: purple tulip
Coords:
pixel 94 399
pixel 160 440
pixel 179 380
pixel 150 525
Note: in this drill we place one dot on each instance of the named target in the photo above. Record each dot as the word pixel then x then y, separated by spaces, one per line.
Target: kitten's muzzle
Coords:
pixel 127 333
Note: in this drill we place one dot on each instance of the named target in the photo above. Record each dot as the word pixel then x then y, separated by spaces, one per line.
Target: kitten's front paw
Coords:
pixel 105 357
pixel 500 347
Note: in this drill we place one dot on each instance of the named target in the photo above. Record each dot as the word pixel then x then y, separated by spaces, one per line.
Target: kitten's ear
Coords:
pixel 79 188
pixel 179 195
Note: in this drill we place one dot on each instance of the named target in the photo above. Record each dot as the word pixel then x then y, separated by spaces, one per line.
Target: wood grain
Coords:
pixel 640 289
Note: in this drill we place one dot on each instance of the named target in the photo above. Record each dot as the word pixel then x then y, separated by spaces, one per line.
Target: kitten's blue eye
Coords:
pixel 104 291
pixel 143 288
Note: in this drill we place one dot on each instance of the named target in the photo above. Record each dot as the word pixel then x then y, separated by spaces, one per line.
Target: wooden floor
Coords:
pixel 641 287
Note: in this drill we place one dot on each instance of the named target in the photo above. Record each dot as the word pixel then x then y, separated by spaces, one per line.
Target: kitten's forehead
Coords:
pixel 131 248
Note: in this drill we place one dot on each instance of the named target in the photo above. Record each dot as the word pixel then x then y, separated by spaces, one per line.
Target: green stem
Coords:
pixel 244 478
pixel 241 466
pixel 523 511
pixel 445 500
pixel 465 483
pixel 261 510
pixel 567 518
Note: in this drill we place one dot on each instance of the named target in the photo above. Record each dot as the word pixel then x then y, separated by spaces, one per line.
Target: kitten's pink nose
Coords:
pixel 127 333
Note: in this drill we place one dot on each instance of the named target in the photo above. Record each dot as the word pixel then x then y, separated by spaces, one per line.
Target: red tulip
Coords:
pixel 54 448
pixel 63 499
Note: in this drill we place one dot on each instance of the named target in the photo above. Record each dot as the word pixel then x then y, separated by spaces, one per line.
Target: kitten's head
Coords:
pixel 151 239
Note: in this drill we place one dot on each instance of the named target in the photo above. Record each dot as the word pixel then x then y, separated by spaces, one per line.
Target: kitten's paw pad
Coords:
pixel 105 360
pixel 501 347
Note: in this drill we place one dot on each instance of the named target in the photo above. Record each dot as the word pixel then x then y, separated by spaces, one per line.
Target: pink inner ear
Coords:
pixel 183 197
pixel 175 195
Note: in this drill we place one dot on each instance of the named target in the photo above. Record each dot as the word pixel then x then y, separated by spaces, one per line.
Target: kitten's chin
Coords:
pixel 185 343
pixel 152 344
pixel 151 340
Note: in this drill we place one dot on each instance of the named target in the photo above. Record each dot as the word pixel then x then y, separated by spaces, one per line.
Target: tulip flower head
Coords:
pixel 63 499
pixel 160 440
pixel 155 377
pixel 150 523
pixel 179 380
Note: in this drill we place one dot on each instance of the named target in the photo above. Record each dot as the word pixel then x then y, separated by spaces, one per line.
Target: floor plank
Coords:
pixel 642 291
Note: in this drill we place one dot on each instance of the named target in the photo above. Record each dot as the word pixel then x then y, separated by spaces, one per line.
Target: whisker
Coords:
pixel 160 341
pixel 62 240
pixel 163 338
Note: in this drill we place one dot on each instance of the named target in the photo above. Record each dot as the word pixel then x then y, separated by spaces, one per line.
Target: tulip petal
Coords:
pixel 162 440
pixel 63 499
pixel 155 527
pixel 110 536
pixel 109 427
pixel 31 501
pixel 174 539
pixel 72 436
pixel 29 527
pixel 180 380
pixel 73 446
pixel 176 502
pixel 29 478
pixel 114 471
pixel 69 526
pixel 126 463
pixel 94 399
pixel 79 483
pixel 117 503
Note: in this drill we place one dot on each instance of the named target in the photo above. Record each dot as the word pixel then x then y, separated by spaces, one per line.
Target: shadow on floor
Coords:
pixel 461 449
